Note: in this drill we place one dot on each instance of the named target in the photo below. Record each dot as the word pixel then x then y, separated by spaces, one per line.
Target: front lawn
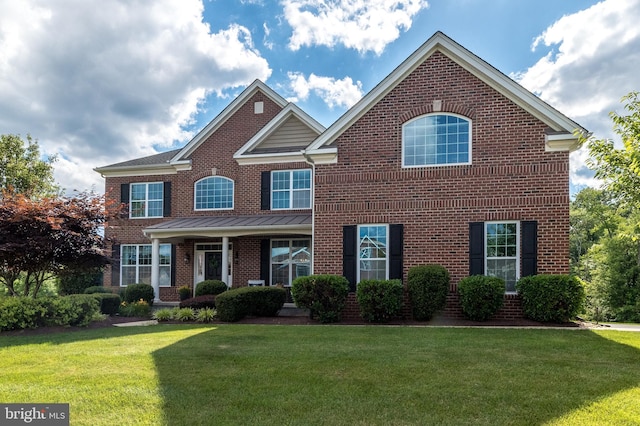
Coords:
pixel 327 375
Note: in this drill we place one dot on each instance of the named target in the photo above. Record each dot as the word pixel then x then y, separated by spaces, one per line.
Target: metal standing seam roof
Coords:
pixel 204 223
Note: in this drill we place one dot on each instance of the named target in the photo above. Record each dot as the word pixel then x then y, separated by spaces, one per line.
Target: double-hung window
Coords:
pixel 502 252
pixel 373 261
pixel 435 140
pixel 146 200
pixel 135 264
pixel 290 259
pixel 214 193
pixel 291 189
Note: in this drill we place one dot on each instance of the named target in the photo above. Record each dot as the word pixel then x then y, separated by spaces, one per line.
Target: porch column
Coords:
pixel 155 268
pixel 225 260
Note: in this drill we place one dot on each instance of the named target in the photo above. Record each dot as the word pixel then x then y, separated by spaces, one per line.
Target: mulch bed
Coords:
pixel 303 320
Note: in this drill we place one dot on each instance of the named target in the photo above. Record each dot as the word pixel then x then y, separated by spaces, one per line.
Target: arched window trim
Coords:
pixel 195 193
pixel 470 142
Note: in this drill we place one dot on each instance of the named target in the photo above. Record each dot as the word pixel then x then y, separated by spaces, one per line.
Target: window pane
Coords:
pixel 436 139
pixel 302 199
pixel 144 274
pixel 280 200
pixel 214 193
pixel 165 276
pixel 129 255
pixel 128 275
pixel 280 274
pixel 155 191
pixel 138 191
pixel 155 209
pixel 280 180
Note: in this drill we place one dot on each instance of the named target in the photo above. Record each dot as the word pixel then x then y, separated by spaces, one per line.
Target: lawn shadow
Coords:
pixel 248 374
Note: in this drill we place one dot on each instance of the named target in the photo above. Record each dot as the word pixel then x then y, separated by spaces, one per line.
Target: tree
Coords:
pixel 619 168
pixel 23 171
pixel 40 238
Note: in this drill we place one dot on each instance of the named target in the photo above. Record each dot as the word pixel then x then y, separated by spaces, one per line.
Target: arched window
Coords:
pixel 214 193
pixel 436 139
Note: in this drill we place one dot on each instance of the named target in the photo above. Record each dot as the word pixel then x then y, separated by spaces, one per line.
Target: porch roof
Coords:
pixel 231 226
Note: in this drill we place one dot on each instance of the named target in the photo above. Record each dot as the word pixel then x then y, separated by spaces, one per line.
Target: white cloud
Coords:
pixel 341 93
pixel 364 25
pixel 591 61
pixel 102 82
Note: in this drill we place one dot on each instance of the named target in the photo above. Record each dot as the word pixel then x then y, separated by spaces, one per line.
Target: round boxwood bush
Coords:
pixel 210 287
pixel 135 292
pixel 481 296
pixel 379 300
pixel 551 298
pixel 428 286
pixel 324 295
pixel 109 302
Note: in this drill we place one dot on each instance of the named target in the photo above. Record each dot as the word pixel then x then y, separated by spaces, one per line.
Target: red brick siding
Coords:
pixel 511 178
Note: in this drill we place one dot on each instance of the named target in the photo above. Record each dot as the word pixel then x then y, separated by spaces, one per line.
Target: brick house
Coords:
pixel 445 161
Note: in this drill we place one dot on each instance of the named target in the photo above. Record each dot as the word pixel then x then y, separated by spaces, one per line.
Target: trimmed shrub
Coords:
pixel 75 309
pixel 75 282
pixel 214 287
pixel 324 295
pixel 551 298
pixel 481 296
pixel 136 292
pixel 17 313
pixel 428 286
pixel 199 302
pixel 379 300
pixel 109 302
pixel 184 292
pixel 235 304
pixel 97 289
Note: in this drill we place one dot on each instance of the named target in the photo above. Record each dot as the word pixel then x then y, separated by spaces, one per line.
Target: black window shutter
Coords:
pixel 395 252
pixel 265 260
pixel 173 265
pixel 124 193
pixel 265 191
pixel 115 265
pixel 349 257
pixel 529 234
pixel 166 204
pixel 476 248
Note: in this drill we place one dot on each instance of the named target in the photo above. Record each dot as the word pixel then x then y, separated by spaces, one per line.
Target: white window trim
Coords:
pixel 291 190
pixel 290 241
pixel 413 166
pixel 146 200
pixel 233 194
pixel 386 225
pixel 137 265
pixel 518 251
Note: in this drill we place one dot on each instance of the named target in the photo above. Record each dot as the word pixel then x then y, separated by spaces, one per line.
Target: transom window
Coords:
pixel 502 248
pixel 214 193
pixel 290 259
pixel 372 252
pixel 146 200
pixel 291 189
pixel 436 139
pixel 135 264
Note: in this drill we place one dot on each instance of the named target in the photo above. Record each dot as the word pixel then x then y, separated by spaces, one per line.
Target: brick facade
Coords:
pixel 512 177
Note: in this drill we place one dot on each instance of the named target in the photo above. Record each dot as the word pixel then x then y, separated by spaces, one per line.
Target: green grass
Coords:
pixel 328 375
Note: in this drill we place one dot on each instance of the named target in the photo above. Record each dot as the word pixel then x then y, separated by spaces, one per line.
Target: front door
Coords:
pixel 213 265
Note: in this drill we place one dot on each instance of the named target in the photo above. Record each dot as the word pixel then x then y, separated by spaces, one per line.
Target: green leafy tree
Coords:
pixel 22 169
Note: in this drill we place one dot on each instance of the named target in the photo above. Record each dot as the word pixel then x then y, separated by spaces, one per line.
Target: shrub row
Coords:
pixel 551 298
pixel 23 312
pixel 235 304
pixel 199 302
pixel 379 300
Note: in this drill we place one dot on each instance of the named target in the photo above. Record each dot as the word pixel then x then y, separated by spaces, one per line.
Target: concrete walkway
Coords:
pixel 617 326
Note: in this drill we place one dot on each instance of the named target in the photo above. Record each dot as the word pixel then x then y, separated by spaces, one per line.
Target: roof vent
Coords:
pixel 258 108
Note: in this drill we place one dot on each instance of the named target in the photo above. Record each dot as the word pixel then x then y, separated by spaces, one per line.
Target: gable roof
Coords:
pixel 150 165
pixel 221 118
pixel 251 152
pixel 560 137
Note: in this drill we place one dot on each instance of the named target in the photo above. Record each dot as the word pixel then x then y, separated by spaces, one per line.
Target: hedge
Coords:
pixel 235 304
pixel 109 302
pixel 428 286
pixel 324 295
pixel 481 296
pixel 199 302
pixel 25 312
pixel 135 292
pixel 379 300
pixel 551 298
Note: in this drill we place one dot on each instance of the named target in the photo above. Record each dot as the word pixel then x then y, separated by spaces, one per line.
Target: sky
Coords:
pixel 97 82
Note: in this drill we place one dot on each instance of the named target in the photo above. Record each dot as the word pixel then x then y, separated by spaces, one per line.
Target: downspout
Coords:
pixel 309 160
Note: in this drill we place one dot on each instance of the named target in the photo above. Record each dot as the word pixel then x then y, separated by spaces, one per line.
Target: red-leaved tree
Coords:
pixel 41 238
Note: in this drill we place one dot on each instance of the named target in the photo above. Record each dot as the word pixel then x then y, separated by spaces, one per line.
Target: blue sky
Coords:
pixel 99 82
